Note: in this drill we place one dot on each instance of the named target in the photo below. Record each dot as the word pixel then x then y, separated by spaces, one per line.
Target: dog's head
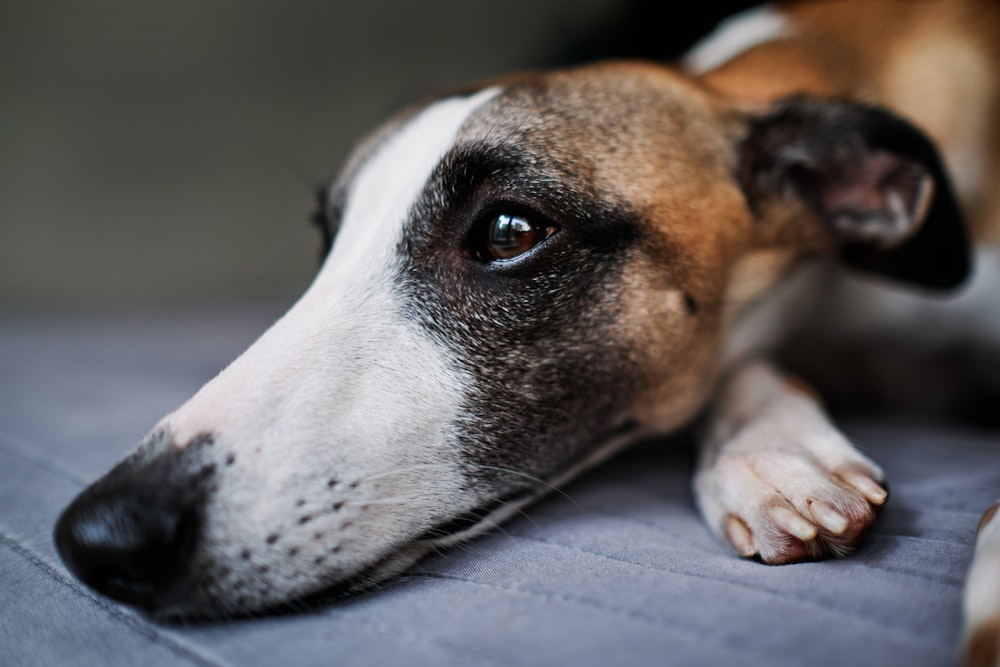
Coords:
pixel 522 278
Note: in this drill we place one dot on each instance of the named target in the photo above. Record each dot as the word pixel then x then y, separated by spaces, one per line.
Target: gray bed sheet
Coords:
pixel 617 570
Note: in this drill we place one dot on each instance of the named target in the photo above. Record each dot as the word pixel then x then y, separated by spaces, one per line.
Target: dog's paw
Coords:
pixel 791 503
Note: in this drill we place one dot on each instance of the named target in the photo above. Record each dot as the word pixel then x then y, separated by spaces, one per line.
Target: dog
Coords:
pixel 525 276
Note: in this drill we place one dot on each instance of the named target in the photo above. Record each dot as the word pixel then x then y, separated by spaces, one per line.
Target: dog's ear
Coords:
pixel 874 179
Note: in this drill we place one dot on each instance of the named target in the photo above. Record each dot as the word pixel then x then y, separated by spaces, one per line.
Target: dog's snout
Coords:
pixel 125 543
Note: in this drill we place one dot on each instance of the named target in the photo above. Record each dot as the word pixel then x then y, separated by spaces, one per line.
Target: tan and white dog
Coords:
pixel 526 276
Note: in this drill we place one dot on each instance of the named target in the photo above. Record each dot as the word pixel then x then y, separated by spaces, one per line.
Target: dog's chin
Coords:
pixel 201 608
pixel 196 605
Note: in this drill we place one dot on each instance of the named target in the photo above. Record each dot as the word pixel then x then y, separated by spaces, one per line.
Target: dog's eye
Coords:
pixel 509 236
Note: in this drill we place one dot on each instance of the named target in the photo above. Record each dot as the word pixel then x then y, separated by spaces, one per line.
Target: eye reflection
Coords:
pixel 510 236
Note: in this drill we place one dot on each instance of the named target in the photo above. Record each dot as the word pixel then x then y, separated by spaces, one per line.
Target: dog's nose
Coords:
pixel 125 543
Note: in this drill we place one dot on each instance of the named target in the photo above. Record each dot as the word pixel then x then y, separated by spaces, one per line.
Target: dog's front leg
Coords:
pixel 776 479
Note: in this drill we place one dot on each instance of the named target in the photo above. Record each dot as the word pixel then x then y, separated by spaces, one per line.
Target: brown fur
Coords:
pixel 983 648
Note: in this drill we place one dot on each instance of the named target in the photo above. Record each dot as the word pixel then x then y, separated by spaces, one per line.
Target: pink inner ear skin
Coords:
pixel 883 198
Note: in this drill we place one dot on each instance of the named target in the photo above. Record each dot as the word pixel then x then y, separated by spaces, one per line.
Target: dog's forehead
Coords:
pixel 602 115
pixel 620 136
pixel 629 133
pixel 607 98
pixel 387 174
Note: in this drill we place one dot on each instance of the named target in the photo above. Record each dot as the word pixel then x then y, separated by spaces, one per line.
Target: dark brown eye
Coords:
pixel 509 236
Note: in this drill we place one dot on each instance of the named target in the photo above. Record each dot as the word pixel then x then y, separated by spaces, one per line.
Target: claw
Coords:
pixel 793 523
pixel 740 536
pixel 828 517
pixel 865 485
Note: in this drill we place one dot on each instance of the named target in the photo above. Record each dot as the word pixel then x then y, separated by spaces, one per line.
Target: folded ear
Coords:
pixel 874 179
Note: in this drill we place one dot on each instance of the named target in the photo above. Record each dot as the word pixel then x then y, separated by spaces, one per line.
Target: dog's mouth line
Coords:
pixel 491 514
pixel 464 526
pixel 475 521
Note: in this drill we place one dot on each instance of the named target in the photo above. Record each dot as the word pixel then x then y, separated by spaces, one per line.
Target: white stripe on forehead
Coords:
pixel 394 177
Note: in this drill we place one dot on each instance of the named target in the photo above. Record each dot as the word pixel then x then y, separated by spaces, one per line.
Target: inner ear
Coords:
pixel 883 199
pixel 874 179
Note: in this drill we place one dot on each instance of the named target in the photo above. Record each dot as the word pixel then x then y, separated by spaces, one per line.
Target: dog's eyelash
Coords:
pixel 327 218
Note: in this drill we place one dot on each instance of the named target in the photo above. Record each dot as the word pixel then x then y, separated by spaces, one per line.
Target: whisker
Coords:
pixel 531 478
pixel 480 466
pixel 392 500
pixel 401 470
pixel 495 525
pixel 527 517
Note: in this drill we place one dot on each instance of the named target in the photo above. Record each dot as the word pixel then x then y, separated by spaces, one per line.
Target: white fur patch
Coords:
pixel 737 34
pixel 772 465
pixel 338 418
pixel 388 184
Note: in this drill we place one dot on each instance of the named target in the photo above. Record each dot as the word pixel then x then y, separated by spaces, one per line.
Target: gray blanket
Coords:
pixel 618 570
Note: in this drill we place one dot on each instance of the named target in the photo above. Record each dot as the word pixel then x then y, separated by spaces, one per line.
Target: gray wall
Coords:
pixel 168 151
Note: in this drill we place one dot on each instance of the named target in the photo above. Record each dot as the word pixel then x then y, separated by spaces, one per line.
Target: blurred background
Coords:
pixel 164 152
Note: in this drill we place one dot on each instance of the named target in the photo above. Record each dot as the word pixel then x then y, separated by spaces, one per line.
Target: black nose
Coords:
pixel 126 543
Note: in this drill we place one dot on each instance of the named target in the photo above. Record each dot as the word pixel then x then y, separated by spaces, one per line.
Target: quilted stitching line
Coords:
pixel 760 589
pixel 135 624
pixel 474 655
pixel 944 579
pixel 684 632
pixel 47 464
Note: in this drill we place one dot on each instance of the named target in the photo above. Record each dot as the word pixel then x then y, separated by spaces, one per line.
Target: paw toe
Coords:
pixel 779 533
pixel 740 536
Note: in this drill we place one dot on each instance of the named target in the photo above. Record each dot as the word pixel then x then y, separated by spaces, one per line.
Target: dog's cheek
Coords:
pixel 541 401
pixel 634 353
pixel 671 325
